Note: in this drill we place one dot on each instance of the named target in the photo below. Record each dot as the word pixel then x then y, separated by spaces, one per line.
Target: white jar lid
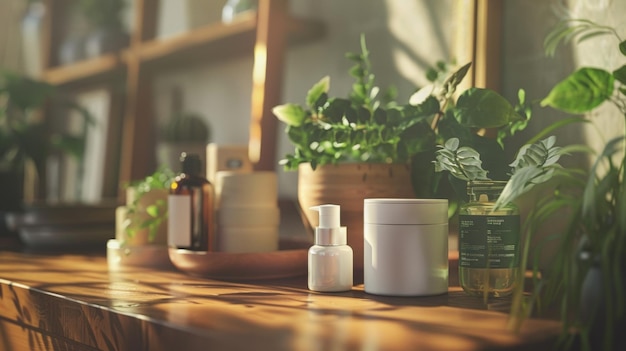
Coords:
pixel 405 211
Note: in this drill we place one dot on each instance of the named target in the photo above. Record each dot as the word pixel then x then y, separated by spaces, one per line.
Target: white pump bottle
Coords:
pixel 330 259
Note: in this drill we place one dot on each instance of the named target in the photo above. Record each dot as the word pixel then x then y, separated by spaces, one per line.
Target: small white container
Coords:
pixel 406 246
pixel 330 259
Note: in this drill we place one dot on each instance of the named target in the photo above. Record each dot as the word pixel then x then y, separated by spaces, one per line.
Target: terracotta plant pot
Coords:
pixel 348 185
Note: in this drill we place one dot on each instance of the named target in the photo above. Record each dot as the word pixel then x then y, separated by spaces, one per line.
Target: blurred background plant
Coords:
pixel 25 138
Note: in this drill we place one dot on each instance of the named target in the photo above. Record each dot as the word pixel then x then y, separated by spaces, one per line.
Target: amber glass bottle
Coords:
pixel 190 206
pixel 488 242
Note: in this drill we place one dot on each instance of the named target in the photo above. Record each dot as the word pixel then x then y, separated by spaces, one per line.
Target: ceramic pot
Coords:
pixel 348 185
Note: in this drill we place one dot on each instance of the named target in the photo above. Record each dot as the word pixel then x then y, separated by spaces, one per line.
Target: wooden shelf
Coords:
pixel 128 75
pixel 87 71
pixel 210 43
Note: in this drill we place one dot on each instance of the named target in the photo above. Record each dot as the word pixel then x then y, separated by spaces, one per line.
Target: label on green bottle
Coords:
pixel 488 241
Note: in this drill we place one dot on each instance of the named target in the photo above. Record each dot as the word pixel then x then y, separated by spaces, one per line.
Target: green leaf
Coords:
pixel 462 162
pixel 153 210
pixel 317 90
pixel 452 144
pixel 73 145
pixel 354 57
pixel 620 74
pixel 591 188
pixel 432 75
pixel 357 71
pixel 622 47
pixel 582 91
pixel 380 116
pixel 535 164
pixel 26 93
pixel 418 137
pixel 291 114
pixel 542 153
pixel 449 86
pixel 484 108
pixel 359 91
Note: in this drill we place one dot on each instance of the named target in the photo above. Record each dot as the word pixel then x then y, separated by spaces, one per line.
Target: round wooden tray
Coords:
pixel 289 261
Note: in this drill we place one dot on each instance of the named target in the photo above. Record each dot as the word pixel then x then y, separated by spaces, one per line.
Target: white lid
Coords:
pixel 405 211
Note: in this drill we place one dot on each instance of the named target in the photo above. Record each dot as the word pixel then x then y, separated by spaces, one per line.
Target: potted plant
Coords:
pixel 587 277
pixel 184 132
pixel 25 138
pixel 141 224
pixel 145 219
pixel 107 31
pixel 366 144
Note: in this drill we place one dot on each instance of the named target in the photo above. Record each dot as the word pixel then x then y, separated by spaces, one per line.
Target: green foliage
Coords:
pixel 157 212
pixel 582 91
pixel 23 134
pixel 535 164
pixel 596 226
pixel 368 126
pixel 462 162
pixel 103 13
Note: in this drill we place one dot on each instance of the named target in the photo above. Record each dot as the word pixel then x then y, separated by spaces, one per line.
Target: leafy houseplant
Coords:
pixel 147 208
pixel 535 164
pixel 591 258
pixel 24 135
pixel 105 19
pixel 371 127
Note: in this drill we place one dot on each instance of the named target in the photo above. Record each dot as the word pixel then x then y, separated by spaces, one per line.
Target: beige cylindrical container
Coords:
pixel 405 246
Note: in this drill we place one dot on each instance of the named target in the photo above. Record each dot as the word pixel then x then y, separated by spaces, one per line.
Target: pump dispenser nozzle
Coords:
pixel 329 232
pixel 329 215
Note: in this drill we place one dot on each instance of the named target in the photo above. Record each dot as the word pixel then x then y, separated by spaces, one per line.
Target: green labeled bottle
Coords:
pixel 488 242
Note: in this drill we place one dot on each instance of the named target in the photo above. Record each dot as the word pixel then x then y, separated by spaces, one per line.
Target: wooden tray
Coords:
pixel 289 261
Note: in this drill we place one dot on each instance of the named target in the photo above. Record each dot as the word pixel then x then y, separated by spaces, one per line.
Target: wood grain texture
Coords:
pixel 65 300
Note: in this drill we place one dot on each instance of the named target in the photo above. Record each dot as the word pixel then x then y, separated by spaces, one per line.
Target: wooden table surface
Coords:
pixel 73 302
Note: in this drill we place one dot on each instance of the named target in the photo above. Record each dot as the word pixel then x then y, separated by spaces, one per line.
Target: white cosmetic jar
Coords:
pixel 406 246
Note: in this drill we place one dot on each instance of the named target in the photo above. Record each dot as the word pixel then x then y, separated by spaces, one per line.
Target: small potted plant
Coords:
pixel 141 224
pixel 366 144
pixel 184 132
pixel 107 31
pixel 146 209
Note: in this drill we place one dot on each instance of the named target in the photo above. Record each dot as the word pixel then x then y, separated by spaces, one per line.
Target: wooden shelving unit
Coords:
pixel 264 34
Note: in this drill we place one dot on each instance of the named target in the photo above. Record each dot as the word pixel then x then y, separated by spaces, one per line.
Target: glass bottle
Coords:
pixel 190 207
pixel 488 242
